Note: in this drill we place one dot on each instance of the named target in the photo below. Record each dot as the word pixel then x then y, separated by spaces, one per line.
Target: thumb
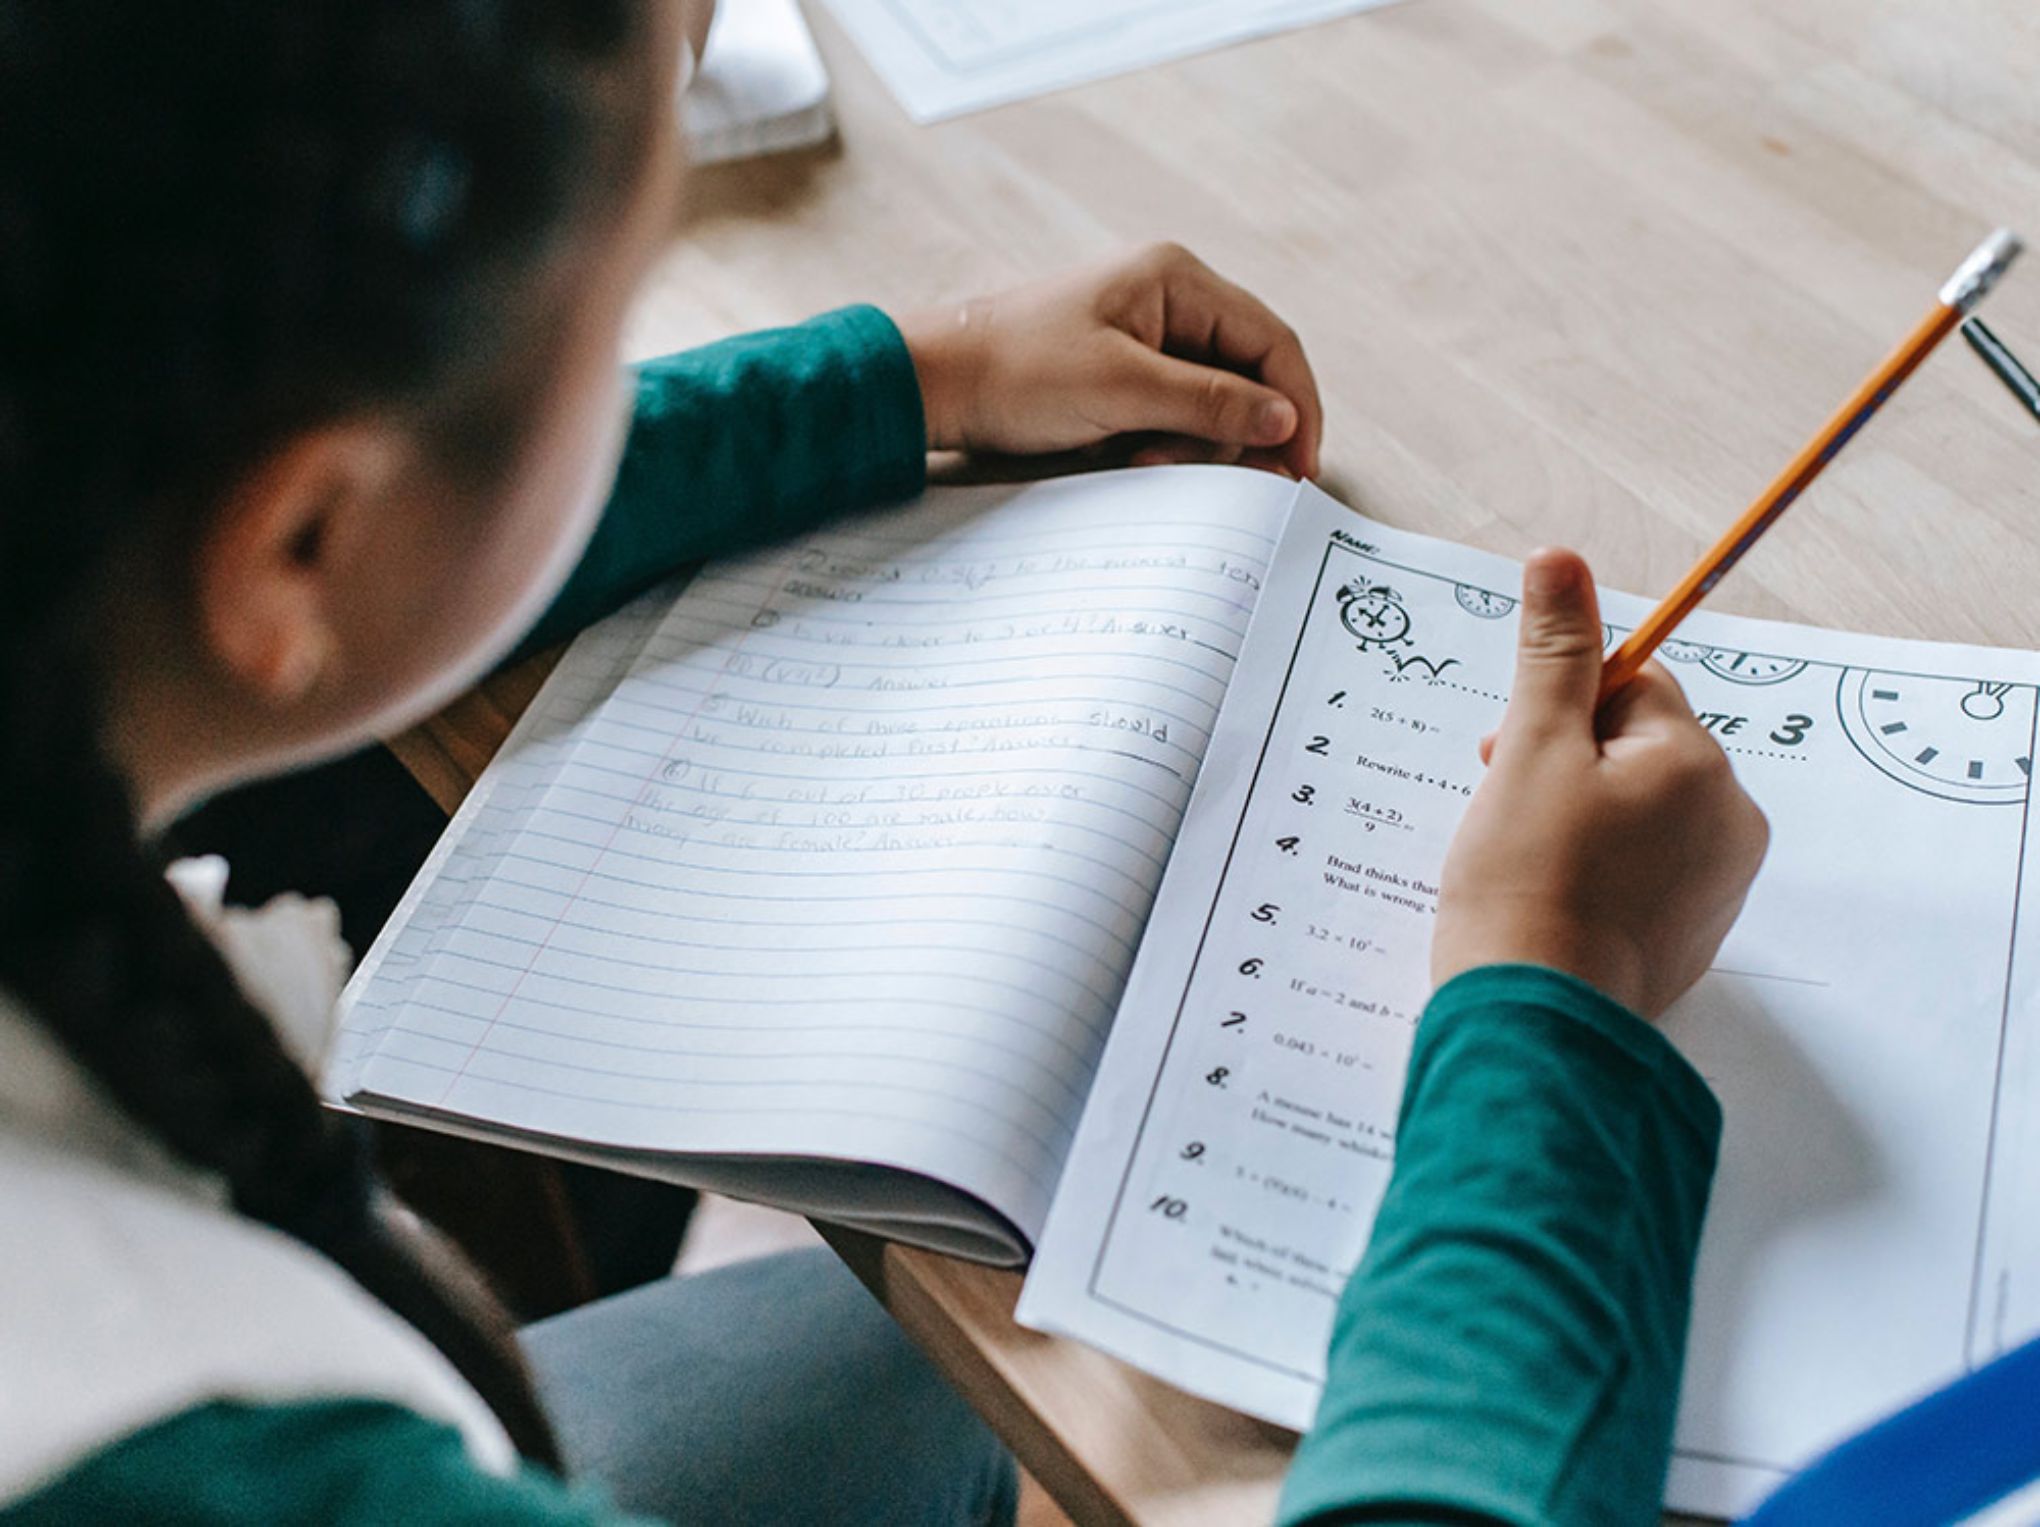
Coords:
pixel 1558 651
pixel 1178 397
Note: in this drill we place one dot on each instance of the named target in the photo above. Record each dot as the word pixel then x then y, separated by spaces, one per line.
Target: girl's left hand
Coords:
pixel 1152 344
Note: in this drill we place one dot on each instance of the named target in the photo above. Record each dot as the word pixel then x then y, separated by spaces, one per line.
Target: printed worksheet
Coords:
pixel 945 57
pixel 1869 1025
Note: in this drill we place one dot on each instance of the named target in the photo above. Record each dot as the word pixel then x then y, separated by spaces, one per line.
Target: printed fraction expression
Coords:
pixel 1960 739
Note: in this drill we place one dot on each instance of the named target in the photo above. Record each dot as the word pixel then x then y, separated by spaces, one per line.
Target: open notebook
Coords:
pixel 822 883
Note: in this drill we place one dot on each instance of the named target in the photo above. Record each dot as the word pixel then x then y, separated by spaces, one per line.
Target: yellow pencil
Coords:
pixel 1977 275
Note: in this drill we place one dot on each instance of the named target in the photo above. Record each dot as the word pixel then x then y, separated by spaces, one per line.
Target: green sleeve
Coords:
pixel 745 442
pixel 339 1463
pixel 1508 1349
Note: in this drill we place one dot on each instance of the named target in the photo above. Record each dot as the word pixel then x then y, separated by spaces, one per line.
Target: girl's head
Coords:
pixel 309 332
pixel 309 390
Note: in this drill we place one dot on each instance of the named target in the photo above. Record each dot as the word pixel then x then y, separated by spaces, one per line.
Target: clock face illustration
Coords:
pixel 1751 667
pixel 1960 739
pixel 1488 606
pixel 1374 614
pixel 1684 652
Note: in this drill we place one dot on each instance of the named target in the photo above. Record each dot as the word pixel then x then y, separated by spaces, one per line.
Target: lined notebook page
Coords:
pixel 843 853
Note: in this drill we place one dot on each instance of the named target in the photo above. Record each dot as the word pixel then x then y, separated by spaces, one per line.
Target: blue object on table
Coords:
pixel 1943 1459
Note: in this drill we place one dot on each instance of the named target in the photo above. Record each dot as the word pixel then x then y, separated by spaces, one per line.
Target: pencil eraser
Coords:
pixel 1980 272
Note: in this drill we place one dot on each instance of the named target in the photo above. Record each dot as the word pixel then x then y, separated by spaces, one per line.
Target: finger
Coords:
pixel 1152 391
pixel 1487 748
pixel 1179 450
pixel 1275 460
pixel 1649 706
pixel 1206 317
pixel 1558 654
pixel 1651 701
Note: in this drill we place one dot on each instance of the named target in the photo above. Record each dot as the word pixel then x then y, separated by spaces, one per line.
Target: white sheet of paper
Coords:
pixel 1870 1026
pixel 762 87
pixel 845 853
pixel 942 58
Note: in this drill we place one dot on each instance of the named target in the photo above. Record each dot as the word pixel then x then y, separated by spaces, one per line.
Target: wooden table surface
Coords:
pixel 1575 271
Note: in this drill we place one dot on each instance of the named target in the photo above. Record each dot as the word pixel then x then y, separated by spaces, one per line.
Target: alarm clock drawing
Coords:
pixel 1959 739
pixel 1375 615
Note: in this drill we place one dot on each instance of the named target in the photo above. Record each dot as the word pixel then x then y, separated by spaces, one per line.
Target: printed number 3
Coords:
pixel 1793 732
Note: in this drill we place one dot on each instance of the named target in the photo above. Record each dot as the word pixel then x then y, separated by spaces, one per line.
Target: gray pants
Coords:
pixel 772 1391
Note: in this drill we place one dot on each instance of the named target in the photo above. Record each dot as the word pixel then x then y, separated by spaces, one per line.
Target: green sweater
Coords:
pixel 1509 1347
pixel 1507 1351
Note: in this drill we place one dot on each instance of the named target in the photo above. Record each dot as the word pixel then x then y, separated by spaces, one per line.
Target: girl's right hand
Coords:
pixel 1616 848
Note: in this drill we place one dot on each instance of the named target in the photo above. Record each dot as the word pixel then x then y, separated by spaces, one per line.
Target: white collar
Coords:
pixel 288 957
pixel 132 1291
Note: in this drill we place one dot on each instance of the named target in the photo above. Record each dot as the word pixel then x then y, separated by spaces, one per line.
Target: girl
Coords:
pixel 308 409
pixel 308 402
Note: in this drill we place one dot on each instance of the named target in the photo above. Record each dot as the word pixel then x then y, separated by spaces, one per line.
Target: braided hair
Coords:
pixel 223 221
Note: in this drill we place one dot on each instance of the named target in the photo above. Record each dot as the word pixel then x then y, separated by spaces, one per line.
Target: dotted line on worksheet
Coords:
pixel 1730 747
pixel 1485 694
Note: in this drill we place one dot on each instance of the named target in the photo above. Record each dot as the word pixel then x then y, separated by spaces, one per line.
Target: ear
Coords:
pixel 265 567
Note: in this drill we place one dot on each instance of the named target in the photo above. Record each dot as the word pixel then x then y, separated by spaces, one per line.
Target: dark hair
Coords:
pixel 222 221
